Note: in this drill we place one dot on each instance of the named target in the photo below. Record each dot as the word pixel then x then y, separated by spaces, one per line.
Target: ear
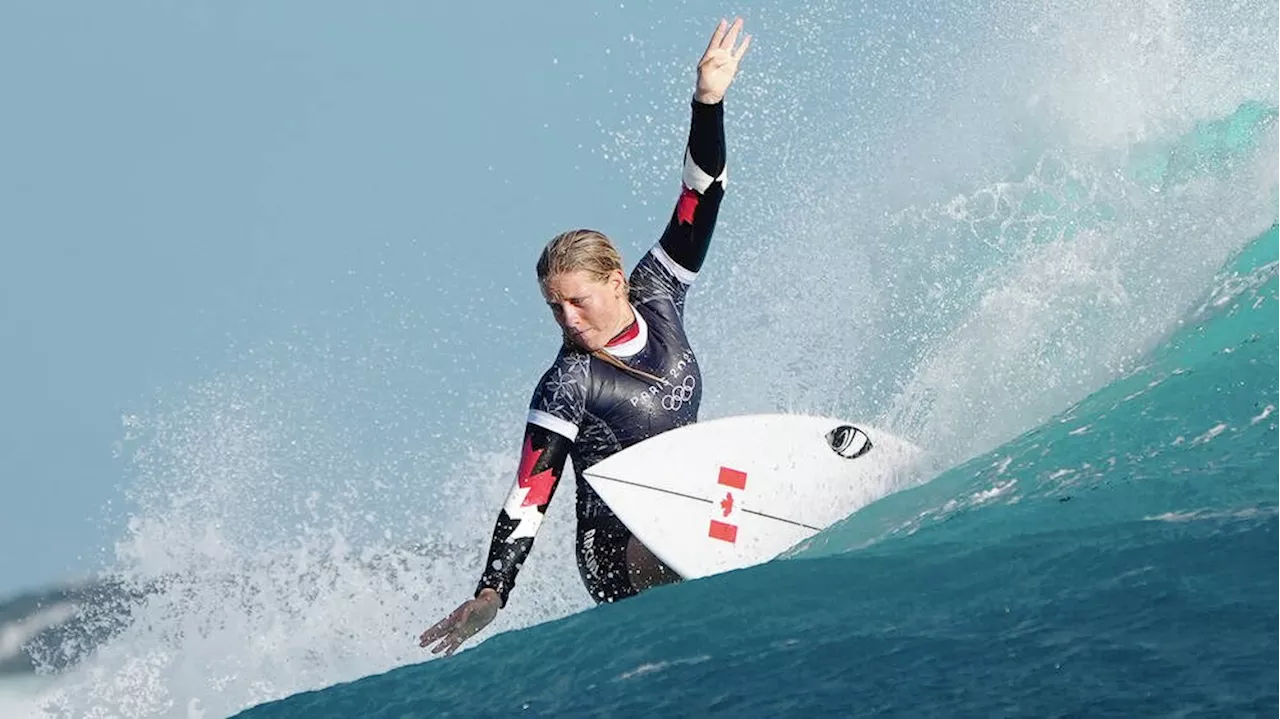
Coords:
pixel 618 281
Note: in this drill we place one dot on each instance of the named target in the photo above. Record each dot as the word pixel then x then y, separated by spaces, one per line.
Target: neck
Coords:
pixel 628 327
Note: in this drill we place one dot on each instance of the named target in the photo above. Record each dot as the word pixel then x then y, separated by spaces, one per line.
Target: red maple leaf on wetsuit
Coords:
pixel 540 484
pixel 685 206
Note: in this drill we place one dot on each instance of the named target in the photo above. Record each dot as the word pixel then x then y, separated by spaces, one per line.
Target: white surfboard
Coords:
pixel 734 492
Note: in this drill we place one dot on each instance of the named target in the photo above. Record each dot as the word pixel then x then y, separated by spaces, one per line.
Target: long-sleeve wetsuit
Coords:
pixel 588 409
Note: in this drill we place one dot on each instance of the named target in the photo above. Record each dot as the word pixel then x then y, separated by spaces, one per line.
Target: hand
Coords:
pixel 469 618
pixel 720 62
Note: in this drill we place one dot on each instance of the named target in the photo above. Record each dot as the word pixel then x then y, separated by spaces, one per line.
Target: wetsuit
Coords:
pixel 588 408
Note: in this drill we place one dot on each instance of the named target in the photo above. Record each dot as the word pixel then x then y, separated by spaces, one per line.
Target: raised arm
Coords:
pixel 688 233
pixel 680 252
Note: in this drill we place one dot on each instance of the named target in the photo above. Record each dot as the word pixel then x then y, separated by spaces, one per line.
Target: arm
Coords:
pixel 688 232
pixel 541 464
pixel 674 262
pixel 555 412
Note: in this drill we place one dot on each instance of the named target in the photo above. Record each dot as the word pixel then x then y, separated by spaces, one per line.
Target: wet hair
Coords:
pixel 586 250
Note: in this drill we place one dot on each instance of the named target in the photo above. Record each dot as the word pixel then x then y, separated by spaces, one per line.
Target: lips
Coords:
pixel 577 338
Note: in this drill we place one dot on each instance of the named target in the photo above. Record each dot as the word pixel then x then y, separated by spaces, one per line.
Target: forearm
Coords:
pixel 541 463
pixel 506 556
pixel 706 140
pixel 688 233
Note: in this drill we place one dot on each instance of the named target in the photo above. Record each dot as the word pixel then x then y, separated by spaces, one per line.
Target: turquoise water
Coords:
pixel 1117 560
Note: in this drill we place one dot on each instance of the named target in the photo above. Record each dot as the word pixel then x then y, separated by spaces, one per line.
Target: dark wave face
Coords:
pixel 55 628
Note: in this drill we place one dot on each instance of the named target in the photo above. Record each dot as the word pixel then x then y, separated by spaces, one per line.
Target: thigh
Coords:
pixel 645 569
pixel 602 558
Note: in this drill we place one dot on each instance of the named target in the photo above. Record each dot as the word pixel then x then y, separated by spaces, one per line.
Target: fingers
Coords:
pixel 716 37
pixel 445 631
pixel 732 36
pixel 437 630
pixel 451 631
pixel 443 627
pixel 742 49
pixel 431 635
pixel 725 37
pixel 448 646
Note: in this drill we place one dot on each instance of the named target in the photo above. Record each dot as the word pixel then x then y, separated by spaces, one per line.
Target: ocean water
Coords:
pixel 1117 560
pixel 1060 280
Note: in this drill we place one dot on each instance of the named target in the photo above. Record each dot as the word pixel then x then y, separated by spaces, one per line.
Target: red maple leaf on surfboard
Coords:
pixel 725 531
pixel 539 485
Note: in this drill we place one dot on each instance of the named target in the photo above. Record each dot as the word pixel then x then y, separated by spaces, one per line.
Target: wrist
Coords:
pixel 707 98
pixel 489 595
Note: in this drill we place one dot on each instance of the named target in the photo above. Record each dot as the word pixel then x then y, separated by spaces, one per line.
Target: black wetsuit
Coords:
pixel 587 408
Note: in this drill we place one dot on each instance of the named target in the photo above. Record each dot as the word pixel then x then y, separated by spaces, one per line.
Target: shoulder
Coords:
pixel 658 277
pixel 657 310
pixel 567 377
pixel 569 361
pixel 560 397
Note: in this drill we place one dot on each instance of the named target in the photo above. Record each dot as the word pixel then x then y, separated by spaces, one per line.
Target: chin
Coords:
pixel 582 343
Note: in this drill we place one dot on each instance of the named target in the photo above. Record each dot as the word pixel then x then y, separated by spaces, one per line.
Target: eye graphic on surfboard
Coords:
pixel 849 441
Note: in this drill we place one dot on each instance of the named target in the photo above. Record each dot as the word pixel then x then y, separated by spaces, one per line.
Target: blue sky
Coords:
pixel 186 184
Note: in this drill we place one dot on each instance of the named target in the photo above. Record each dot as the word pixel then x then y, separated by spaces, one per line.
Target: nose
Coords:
pixel 570 317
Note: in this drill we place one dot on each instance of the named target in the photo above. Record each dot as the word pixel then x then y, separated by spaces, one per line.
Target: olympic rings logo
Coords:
pixel 680 394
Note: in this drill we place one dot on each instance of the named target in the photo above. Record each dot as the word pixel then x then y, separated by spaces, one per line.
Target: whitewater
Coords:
pixel 1040 242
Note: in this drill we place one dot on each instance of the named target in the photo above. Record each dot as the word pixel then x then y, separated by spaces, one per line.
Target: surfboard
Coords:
pixel 737 491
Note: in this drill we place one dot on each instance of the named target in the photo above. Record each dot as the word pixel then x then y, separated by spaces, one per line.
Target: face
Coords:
pixel 590 311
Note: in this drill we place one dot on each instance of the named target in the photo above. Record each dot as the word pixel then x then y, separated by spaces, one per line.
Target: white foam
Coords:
pixel 17 634
pixel 997 490
pixel 24 697
pixel 876 271
pixel 1002 465
pixel 654 667
pixel 1213 431
pixel 290 563
pixel 1199 515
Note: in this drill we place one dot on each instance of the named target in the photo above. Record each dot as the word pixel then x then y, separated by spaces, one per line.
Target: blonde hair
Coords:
pixel 586 250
